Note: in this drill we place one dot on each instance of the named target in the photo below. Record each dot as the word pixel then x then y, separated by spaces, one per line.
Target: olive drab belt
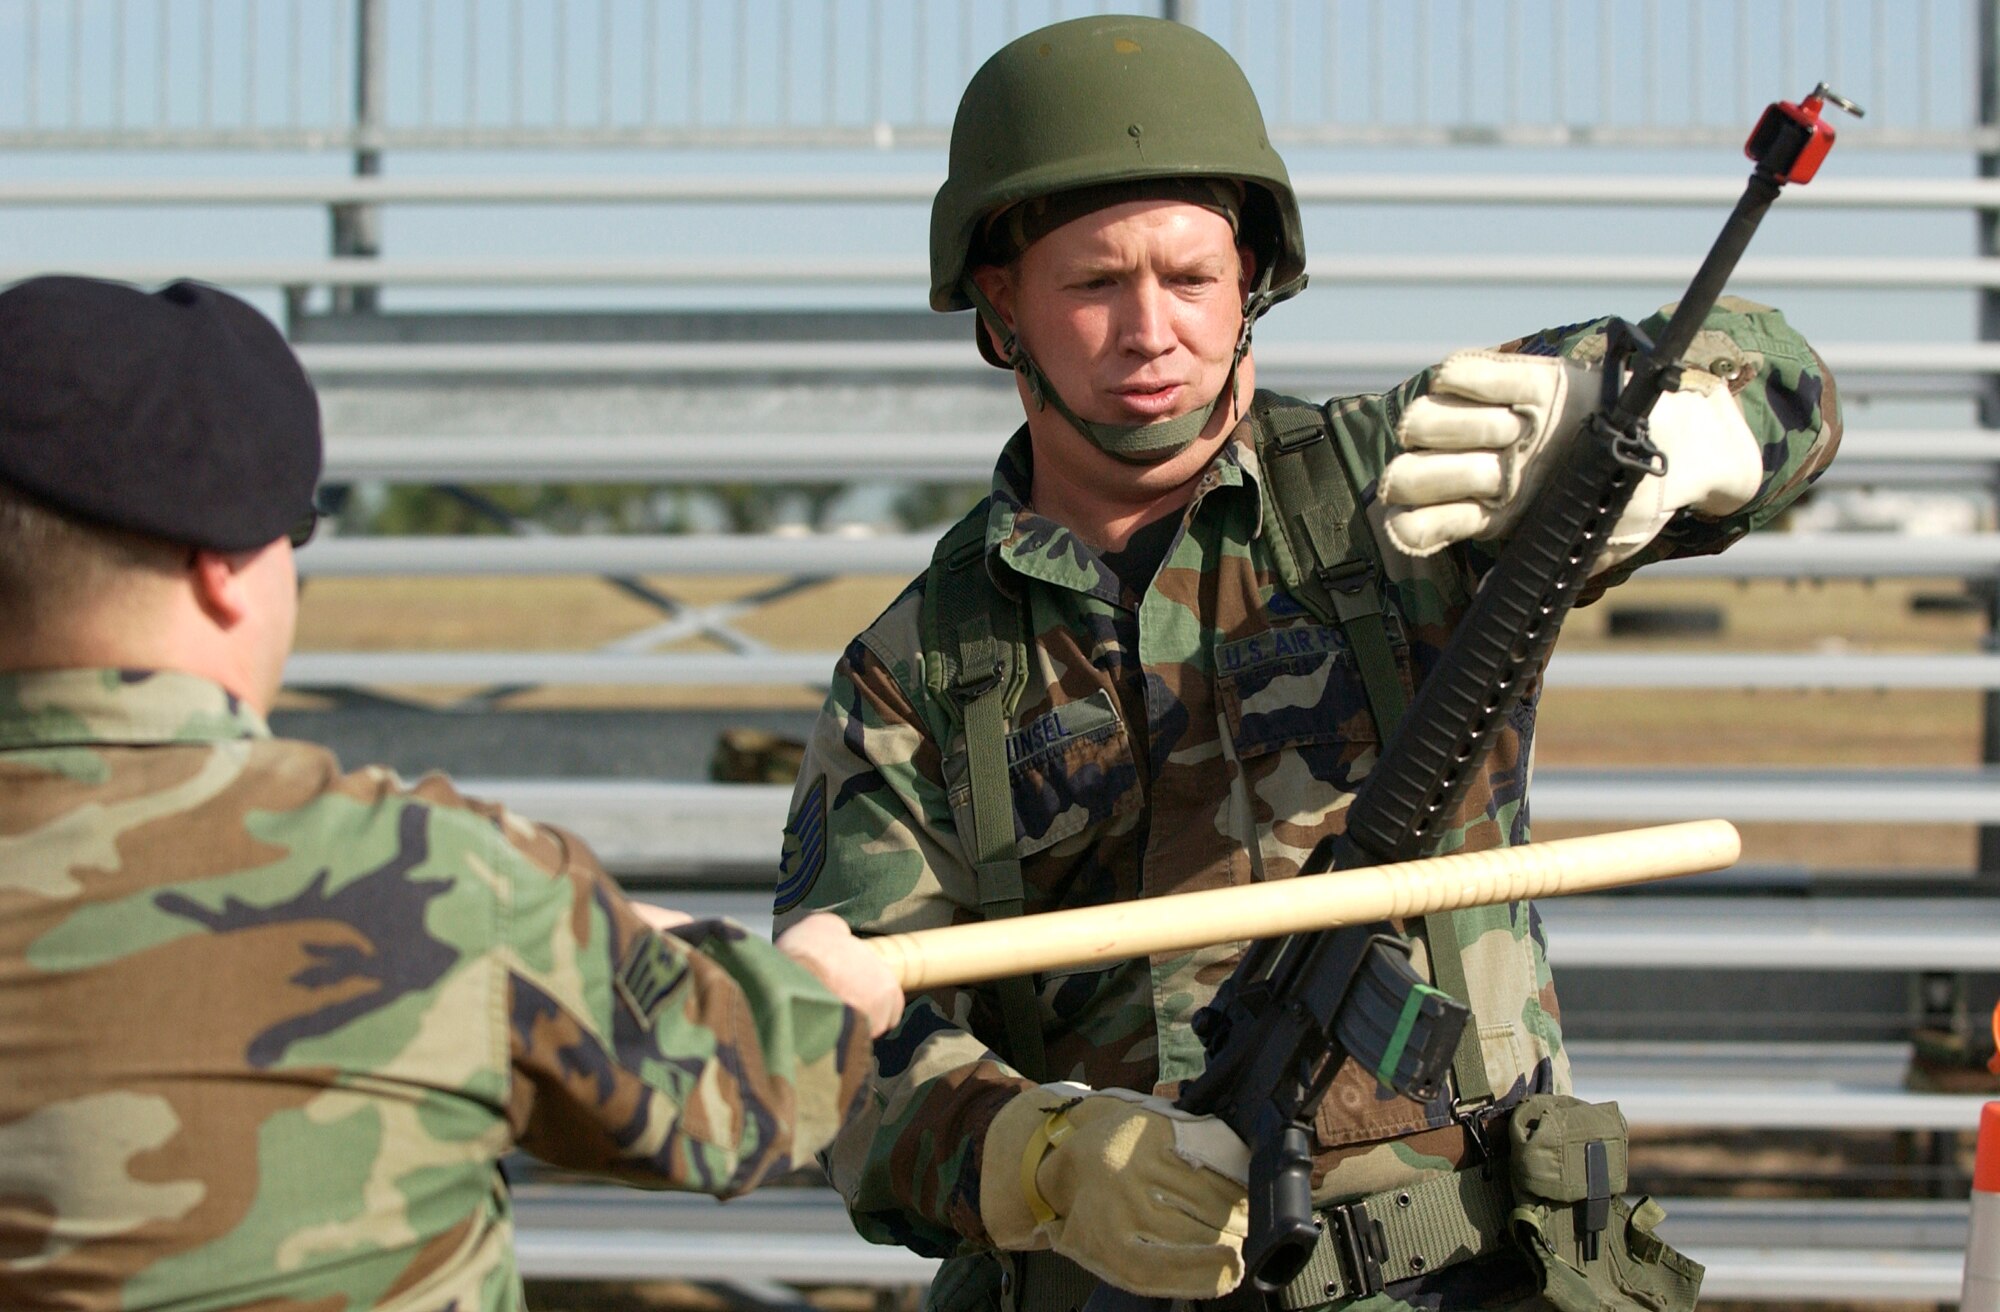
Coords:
pixel 1400 1234
pixel 1363 1246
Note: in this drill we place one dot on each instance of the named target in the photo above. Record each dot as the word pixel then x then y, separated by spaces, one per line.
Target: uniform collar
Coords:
pixel 1021 541
pixel 58 708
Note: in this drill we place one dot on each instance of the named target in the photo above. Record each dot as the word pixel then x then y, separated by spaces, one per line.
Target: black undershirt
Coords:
pixel 1144 552
pixel 1135 564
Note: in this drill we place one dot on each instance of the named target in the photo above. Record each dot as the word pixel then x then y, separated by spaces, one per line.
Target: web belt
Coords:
pixel 1401 1233
pixel 1365 1244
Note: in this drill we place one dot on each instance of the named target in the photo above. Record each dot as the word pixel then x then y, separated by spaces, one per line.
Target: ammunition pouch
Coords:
pixel 1591 1251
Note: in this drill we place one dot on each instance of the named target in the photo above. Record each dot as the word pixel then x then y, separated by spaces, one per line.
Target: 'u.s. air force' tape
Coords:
pixel 805 849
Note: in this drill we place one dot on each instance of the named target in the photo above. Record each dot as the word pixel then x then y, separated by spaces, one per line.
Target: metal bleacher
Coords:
pixel 1531 127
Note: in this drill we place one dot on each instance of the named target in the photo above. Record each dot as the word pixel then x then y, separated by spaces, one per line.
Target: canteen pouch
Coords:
pixel 1592 1251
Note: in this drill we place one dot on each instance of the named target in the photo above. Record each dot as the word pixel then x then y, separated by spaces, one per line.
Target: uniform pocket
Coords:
pixel 1500 1048
pixel 1296 689
pixel 1070 770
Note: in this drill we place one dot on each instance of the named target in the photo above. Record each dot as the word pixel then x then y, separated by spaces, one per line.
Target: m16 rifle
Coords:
pixel 1296 1008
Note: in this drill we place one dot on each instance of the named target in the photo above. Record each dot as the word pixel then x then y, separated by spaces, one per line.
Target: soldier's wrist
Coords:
pixel 1017 1138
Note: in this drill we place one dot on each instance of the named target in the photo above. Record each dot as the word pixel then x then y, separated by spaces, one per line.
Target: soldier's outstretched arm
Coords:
pixel 823 944
pixel 1755 421
pixel 700 1058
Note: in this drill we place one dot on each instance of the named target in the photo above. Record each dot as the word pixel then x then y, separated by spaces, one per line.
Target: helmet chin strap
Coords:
pixel 1135 444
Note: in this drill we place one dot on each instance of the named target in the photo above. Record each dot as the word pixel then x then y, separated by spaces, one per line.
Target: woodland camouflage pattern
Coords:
pixel 1205 734
pixel 266 1028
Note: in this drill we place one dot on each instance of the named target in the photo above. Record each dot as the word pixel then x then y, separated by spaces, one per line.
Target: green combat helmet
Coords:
pixel 1097 102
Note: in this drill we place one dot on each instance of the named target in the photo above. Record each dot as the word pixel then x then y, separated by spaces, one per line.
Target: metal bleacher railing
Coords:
pixel 400 77
pixel 409 75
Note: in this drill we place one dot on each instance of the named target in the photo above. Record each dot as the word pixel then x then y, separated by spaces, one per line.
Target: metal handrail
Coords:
pixel 705 455
pixel 1387 360
pixel 865 76
pixel 1950 456
pixel 1856 272
pixel 1792 1249
pixel 1873 671
pixel 654 823
pixel 881 186
pixel 1808 1248
pixel 1774 933
pixel 1769 555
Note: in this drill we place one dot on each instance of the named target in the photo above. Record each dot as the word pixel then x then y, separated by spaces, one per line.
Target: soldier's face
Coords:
pixel 1131 311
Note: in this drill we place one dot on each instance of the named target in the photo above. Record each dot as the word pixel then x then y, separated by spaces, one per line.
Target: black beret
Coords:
pixel 182 414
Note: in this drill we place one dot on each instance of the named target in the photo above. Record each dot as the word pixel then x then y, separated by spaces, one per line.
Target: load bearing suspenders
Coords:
pixel 1327 556
pixel 982 681
pixel 1322 555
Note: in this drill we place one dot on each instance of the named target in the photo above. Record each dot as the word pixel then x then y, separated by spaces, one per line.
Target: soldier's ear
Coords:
pixel 219 586
pixel 1246 278
pixel 997 283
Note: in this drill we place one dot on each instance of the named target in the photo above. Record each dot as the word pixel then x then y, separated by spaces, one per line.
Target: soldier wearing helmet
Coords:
pixel 1160 657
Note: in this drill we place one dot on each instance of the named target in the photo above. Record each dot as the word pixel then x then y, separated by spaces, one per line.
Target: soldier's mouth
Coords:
pixel 1150 400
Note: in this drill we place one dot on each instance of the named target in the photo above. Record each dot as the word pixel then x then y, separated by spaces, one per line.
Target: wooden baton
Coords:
pixel 1081 936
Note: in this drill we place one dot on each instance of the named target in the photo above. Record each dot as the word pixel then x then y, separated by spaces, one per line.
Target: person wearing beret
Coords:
pixel 267 1026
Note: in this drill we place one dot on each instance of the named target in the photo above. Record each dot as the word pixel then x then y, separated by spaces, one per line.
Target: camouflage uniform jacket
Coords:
pixel 1205 732
pixel 266 1028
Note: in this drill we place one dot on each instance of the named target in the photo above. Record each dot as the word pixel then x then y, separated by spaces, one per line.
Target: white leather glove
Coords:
pixel 1138 1193
pixel 1477 447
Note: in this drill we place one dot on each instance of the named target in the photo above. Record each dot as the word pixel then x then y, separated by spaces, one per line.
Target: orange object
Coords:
pixel 1791 139
pixel 1986 1169
pixel 1980 1291
pixel 1993 1062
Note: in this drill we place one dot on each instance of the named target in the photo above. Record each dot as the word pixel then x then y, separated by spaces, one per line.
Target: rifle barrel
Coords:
pixel 1692 310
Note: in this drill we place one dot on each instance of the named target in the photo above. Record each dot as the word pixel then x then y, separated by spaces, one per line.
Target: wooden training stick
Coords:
pixel 962 954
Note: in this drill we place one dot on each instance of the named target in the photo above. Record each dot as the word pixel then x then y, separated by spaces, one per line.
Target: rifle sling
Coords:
pixel 1313 476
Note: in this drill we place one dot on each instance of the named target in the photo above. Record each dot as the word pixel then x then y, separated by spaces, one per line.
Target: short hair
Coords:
pixel 53 564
